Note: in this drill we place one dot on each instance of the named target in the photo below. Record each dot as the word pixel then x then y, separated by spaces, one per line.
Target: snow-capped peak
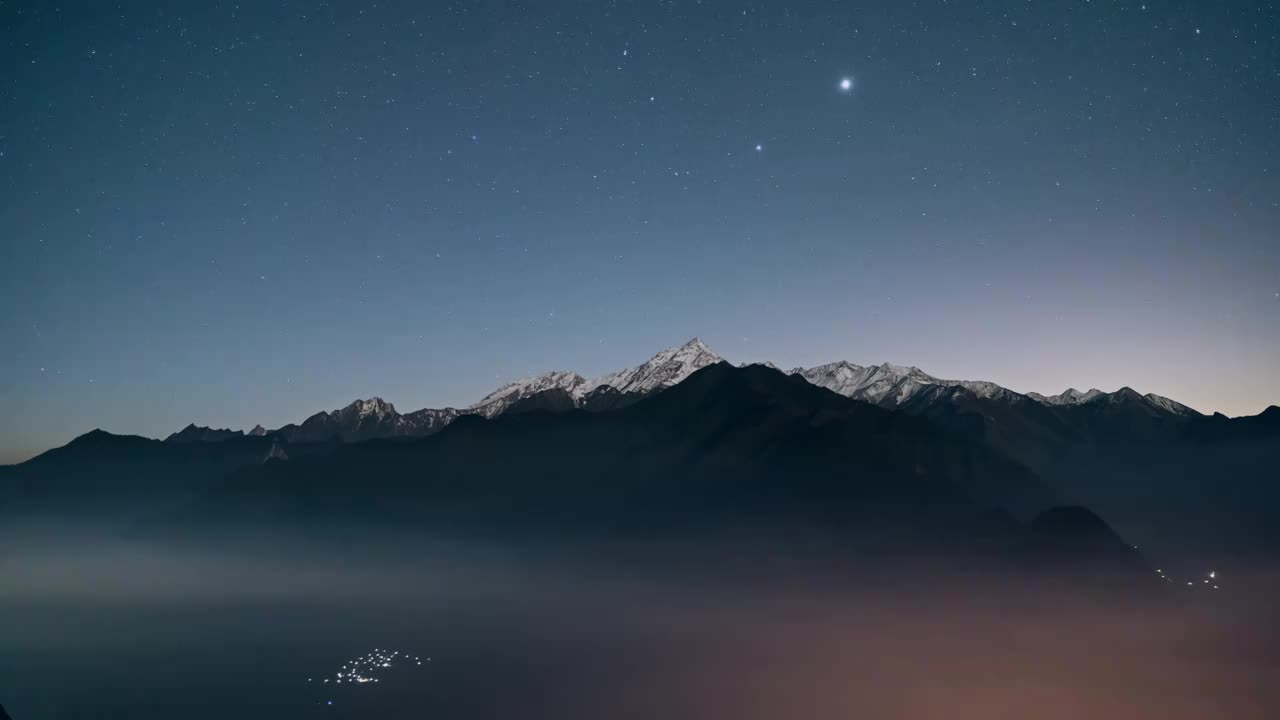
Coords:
pixel 661 371
pixel 1168 405
pixel 887 384
pixel 879 384
pixel 374 406
pixel 502 398
pixel 1070 396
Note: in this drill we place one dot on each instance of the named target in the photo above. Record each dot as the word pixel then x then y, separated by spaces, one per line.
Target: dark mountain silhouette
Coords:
pixel 728 447
pixel 1076 535
pixel 607 397
pixel 730 452
pixel 1208 482
pixel 555 400
pixel 366 420
pixel 1072 545
pixel 100 473
pixel 600 399
pixel 192 434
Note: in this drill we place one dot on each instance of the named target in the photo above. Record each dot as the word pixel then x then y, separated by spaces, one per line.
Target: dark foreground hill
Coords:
pixel 1204 482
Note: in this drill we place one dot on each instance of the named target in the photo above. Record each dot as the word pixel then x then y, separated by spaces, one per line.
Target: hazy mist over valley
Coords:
pixel 109 627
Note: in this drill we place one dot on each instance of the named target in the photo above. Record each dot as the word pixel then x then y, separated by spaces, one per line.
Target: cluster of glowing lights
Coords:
pixel 366 668
pixel 1210 579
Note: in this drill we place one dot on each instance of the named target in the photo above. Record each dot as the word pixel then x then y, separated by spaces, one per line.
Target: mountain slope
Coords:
pixel 100 472
pixel 727 445
pixel 499 400
pixel 667 368
pixel 1071 540
pixel 663 370
pixel 365 420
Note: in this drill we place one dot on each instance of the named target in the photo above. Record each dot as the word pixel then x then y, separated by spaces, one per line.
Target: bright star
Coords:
pixel 759 148
pixel 846 84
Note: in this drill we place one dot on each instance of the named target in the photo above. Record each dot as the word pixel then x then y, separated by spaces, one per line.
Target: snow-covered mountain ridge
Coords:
pixel 893 385
pixel 886 385
pixel 660 372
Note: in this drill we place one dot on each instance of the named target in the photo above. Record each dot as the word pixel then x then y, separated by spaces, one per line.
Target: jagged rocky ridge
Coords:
pixel 377 418
pixel 885 385
pixel 660 372
pixel 366 420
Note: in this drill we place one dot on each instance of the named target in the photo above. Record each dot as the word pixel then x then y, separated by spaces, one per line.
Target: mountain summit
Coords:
pixel 657 373
pixel 663 370
pixel 365 420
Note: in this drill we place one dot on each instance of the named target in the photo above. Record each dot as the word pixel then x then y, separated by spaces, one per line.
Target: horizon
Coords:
pixel 21 457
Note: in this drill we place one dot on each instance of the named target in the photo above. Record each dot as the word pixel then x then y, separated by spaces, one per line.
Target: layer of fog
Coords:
pixel 95 626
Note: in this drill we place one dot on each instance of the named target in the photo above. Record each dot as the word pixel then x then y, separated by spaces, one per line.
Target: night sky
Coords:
pixel 248 213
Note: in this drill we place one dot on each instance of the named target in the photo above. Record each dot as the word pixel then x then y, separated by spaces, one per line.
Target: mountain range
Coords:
pixel 687 435
pixel 885 385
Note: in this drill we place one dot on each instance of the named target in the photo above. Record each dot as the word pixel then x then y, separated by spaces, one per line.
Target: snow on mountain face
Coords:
pixel 365 419
pixel 892 385
pixel 425 421
pixel 1168 405
pixel 661 371
pixel 362 416
pixel 504 397
pixel 377 407
pixel 1070 396
pixel 887 385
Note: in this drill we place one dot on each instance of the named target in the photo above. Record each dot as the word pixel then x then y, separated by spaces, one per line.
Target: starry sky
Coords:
pixel 246 213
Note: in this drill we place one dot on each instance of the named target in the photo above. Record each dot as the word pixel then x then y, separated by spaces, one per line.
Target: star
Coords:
pixel 846 84
pixel 759 148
